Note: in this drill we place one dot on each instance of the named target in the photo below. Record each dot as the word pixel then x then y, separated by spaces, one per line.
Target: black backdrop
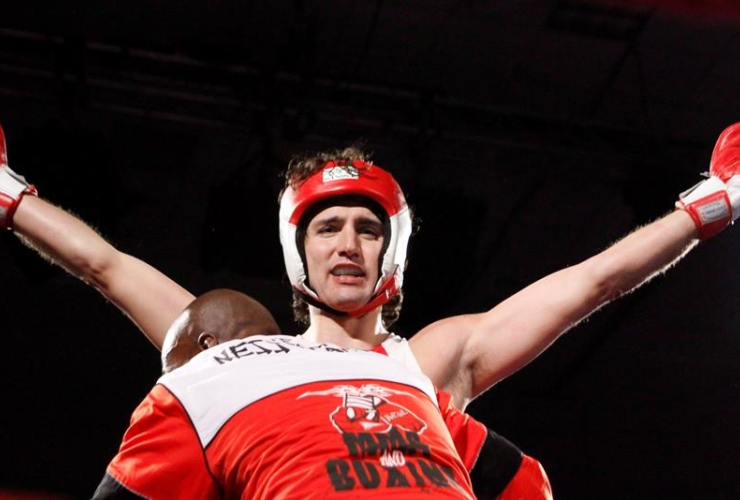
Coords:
pixel 528 135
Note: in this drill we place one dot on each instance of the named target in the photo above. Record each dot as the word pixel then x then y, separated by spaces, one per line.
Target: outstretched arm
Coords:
pixel 482 349
pixel 148 297
pixel 490 346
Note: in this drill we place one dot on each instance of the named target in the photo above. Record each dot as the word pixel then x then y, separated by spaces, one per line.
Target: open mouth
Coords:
pixel 348 270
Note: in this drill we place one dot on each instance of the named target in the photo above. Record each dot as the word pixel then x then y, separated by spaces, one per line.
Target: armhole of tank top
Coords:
pixel 399 349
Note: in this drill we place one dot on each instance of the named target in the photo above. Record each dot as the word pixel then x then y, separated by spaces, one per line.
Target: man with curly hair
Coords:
pixel 344 227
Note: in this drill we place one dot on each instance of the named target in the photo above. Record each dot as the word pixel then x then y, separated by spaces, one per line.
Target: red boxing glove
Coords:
pixel 12 188
pixel 726 154
pixel 714 203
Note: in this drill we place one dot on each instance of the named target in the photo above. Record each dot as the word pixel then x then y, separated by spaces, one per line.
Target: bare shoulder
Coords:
pixel 440 350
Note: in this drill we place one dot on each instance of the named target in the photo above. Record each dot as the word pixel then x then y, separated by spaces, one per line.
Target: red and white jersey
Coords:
pixel 282 417
pixel 497 468
pixel 467 433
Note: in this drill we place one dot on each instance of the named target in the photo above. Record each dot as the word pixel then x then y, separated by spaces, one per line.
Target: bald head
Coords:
pixel 214 317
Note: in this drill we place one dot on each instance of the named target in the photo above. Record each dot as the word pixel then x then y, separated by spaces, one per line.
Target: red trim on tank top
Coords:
pixel 379 349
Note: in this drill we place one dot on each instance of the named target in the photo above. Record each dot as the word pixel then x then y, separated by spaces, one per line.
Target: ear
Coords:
pixel 206 341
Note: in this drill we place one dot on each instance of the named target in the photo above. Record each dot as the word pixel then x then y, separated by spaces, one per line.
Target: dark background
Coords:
pixel 528 135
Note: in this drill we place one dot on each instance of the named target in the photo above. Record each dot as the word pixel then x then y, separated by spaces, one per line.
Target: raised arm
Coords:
pixel 490 346
pixel 148 297
pixel 482 349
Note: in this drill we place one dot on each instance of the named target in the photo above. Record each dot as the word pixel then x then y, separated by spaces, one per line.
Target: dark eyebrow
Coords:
pixel 335 219
pixel 327 220
pixel 368 220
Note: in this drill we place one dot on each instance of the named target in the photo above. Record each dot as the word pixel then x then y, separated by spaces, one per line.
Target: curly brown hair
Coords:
pixel 300 168
pixel 389 314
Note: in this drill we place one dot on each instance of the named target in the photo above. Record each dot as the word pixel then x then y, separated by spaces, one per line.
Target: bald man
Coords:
pixel 215 317
pixel 497 468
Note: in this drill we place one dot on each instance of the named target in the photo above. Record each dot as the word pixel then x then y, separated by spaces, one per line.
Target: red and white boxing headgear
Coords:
pixel 357 178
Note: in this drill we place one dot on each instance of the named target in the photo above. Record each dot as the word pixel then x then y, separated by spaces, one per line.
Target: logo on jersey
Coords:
pixel 367 409
pixel 383 441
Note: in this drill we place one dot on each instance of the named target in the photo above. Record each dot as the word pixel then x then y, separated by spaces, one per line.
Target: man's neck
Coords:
pixel 359 332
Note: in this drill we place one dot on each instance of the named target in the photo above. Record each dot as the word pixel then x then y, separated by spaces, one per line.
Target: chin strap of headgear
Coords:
pixel 357 178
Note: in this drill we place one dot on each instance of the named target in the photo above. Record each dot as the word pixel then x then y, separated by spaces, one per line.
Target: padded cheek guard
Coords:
pixel 360 179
